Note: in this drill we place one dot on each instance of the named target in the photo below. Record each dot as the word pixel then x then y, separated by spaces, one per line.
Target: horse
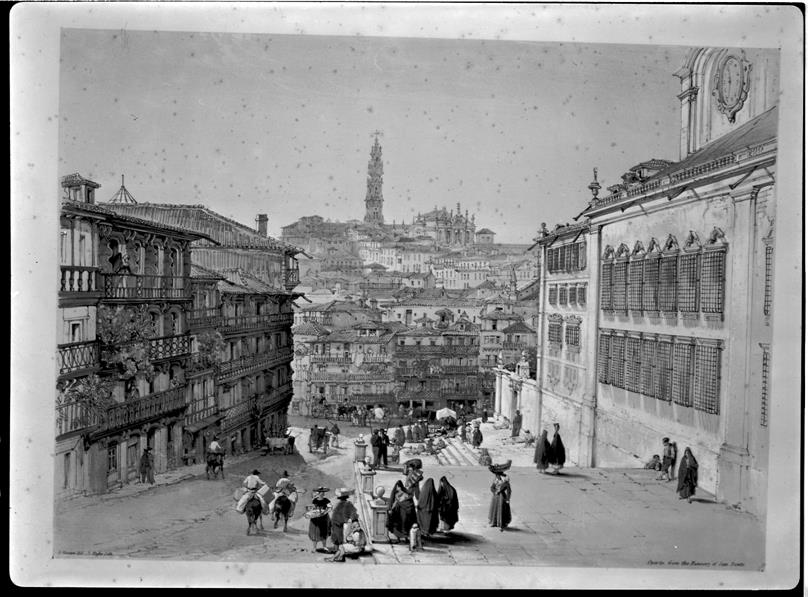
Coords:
pixel 215 464
pixel 282 507
pixel 254 514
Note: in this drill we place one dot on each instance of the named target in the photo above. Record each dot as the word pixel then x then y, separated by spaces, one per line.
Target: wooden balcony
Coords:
pixel 449 351
pixel 376 358
pixel 275 396
pixel 244 323
pixel 77 358
pixel 291 278
pixel 74 417
pixel 196 413
pixel 136 287
pixel 78 279
pixel 141 410
pixel 251 363
pixel 515 346
pixel 205 318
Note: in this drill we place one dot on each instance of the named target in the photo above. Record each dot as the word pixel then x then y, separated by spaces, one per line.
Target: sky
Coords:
pixel 282 124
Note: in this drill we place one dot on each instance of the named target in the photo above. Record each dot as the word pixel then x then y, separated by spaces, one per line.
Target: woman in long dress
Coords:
pixel 428 508
pixel 499 514
pixel 558 455
pixel 320 526
pixel 688 476
pixel 541 455
pixel 448 505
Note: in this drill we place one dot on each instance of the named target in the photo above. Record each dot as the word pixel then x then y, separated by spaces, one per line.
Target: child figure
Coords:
pixel 655 464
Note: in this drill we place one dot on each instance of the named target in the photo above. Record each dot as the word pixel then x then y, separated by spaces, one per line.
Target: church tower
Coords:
pixel 373 198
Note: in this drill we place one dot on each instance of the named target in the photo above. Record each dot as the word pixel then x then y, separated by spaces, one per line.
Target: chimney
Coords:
pixel 262 224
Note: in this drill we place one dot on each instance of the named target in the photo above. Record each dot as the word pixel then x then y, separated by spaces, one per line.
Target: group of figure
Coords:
pixel 417 510
pixel 253 483
pixel 550 454
pixel 379 443
pixel 339 522
pixel 688 469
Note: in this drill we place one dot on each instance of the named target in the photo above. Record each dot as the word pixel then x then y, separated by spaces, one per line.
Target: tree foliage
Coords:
pixel 210 346
pixel 93 396
pixel 124 334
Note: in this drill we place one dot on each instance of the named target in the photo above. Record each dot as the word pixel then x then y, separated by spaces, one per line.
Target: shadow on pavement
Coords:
pixel 568 475
pixel 455 539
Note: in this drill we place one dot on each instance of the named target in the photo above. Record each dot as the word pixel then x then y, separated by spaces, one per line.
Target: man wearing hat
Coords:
pixel 343 512
pixel 253 483
pixel 147 466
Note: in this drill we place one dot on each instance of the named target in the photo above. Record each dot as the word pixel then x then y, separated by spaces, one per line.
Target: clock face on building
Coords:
pixel 731 81
pixel 731 84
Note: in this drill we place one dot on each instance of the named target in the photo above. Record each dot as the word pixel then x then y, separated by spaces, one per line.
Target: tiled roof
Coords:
pixel 519 328
pixel 114 214
pixel 197 271
pixel 500 315
pixel 310 328
pixel 77 179
pixel 250 283
pixel 198 218
pixel 419 332
pixel 485 231
pixel 713 156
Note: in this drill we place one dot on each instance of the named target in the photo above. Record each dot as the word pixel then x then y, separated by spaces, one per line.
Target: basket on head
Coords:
pixel 498 469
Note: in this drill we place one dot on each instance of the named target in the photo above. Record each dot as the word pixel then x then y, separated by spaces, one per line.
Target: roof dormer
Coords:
pixel 79 189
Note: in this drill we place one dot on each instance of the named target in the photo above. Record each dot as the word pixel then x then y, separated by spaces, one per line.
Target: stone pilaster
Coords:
pixel 733 456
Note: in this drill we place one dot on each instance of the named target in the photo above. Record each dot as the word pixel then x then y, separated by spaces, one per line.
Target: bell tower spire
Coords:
pixel 373 198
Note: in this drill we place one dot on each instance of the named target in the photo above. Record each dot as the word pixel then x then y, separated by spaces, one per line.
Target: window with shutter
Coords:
pixel 664 370
pixel 635 285
pixel 683 373
pixel 667 283
pixel 647 367
pixel 633 364
pixel 606 286
pixel 712 281
pixel 617 371
pixel 687 288
pixel 650 283
pixel 619 278
pixel 707 378
pixel 603 357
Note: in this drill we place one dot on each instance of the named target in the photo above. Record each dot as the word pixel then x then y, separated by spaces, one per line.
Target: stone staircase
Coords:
pixel 457 453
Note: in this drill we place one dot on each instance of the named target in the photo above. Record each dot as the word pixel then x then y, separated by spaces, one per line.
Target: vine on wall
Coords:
pixel 124 333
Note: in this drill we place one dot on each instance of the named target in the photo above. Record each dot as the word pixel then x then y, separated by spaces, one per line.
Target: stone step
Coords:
pixel 467 452
pixel 459 454
pixel 446 458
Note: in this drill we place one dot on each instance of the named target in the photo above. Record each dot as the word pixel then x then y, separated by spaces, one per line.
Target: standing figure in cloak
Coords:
pixel 688 476
pixel 558 455
pixel 463 431
pixel 427 508
pixel 448 505
pixel 320 526
pixel 476 437
pixel 499 513
pixel 541 455
pixel 376 446
pixel 485 416
pixel 401 513
pixel 416 432
pixel 398 436
pixel 408 434
pixel 517 424
pixel 343 512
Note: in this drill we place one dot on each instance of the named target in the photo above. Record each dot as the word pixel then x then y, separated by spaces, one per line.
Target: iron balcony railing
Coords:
pixel 275 395
pixel 210 317
pixel 437 350
pixel 515 346
pixel 460 369
pixel 331 358
pixel 250 322
pixel 317 376
pixel 256 362
pixel 145 287
pixel 78 356
pixel 169 346
pixel 376 358
pixel 76 278
pixel 141 410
